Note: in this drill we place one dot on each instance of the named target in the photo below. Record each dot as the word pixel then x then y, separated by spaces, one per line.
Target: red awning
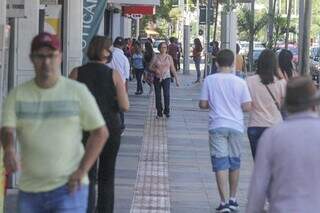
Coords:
pixel 144 10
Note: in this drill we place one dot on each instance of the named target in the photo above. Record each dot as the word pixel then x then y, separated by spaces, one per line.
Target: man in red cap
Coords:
pixel 48 114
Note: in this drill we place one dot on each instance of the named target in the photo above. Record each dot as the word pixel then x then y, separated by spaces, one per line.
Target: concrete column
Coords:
pixel 127 27
pixel 186 49
pixel 25 30
pixel 229 31
pixel 72 36
pixel 2 48
pixel 116 23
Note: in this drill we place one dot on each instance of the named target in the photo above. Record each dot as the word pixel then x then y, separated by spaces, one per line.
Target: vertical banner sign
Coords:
pixel 93 11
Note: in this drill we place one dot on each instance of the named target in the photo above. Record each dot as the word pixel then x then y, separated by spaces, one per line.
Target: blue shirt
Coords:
pixel 137 61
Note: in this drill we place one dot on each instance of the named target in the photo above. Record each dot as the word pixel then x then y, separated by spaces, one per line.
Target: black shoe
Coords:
pixel 167 115
pixel 159 115
pixel 137 93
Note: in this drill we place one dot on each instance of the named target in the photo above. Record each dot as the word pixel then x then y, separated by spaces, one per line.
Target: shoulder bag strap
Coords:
pixel 273 98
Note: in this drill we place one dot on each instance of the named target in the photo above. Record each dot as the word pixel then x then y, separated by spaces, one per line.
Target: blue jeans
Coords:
pixel 197 64
pixel 165 85
pixel 254 134
pixel 56 201
pixel 225 149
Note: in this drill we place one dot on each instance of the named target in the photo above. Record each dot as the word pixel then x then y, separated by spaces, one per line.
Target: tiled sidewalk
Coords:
pixel 163 165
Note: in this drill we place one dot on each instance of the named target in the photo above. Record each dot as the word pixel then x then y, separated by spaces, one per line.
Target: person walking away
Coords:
pixel 267 91
pixel 196 55
pixel 48 114
pixel 287 68
pixel 162 66
pixel 227 97
pixel 240 63
pixel 137 65
pixel 286 170
pixel 215 50
pixel 109 91
pixel 148 57
pixel 121 64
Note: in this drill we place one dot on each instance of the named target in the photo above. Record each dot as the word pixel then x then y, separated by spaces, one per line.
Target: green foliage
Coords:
pixel 245 25
pixel 175 13
pixel 315 25
pixel 280 25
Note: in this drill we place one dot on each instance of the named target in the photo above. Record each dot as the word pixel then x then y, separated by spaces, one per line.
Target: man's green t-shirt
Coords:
pixel 49 124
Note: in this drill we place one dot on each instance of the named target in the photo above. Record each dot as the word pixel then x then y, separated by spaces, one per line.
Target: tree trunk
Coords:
pixel 216 9
pixel 251 42
pixel 272 12
pixel 288 24
pixel 305 45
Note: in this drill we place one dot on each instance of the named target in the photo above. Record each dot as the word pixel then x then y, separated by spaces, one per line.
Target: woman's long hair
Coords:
pixel 267 67
pixel 197 45
pixel 148 54
pixel 285 62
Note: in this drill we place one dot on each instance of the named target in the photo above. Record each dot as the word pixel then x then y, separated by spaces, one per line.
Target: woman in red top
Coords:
pixel 196 55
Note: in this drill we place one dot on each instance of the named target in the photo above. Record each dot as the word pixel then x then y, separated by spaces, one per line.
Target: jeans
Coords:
pixel 165 85
pixel 103 172
pixel 139 74
pixel 123 126
pixel 254 134
pixel 225 149
pixel 56 201
pixel 197 64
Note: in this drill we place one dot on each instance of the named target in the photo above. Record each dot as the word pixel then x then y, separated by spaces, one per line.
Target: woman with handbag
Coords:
pixel 267 91
pixel 107 87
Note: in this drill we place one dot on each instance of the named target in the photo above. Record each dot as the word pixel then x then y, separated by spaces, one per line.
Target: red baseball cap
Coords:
pixel 45 39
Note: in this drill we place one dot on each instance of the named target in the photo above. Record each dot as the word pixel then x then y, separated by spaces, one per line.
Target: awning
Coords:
pixel 151 32
pixel 143 10
pixel 135 2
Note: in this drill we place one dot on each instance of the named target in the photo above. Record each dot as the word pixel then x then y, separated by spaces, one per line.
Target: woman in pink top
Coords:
pixel 267 91
pixel 162 65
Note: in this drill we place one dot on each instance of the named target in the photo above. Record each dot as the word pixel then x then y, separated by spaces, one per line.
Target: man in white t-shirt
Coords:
pixel 227 97
pixel 121 63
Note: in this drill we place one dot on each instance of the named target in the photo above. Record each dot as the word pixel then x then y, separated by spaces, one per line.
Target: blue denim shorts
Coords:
pixel 225 148
pixel 58 200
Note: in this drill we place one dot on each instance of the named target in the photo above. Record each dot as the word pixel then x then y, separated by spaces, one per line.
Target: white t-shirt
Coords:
pixel 225 93
pixel 120 63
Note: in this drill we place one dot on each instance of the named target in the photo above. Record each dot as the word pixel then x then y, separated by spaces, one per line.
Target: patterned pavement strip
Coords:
pixel 151 193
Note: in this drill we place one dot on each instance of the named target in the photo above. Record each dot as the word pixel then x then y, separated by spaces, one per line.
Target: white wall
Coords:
pixel 72 38
pixel 126 27
pixel 2 43
pixel 25 30
pixel 116 23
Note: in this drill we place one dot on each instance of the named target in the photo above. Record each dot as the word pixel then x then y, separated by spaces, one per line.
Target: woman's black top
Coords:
pixel 98 78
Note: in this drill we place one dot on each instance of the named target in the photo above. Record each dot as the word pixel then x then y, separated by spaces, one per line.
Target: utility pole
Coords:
pixel 288 24
pixel 300 35
pixel 305 38
pixel 251 43
pixel 209 18
pixel 216 9
pixel 186 38
pixel 2 47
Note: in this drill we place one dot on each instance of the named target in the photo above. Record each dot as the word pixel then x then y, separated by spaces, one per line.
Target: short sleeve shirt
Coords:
pixel 225 94
pixel 264 111
pixel 49 124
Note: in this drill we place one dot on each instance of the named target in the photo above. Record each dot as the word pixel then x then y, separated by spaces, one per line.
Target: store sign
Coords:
pixel 144 10
pixel 16 9
pixel 93 11
pixel 136 16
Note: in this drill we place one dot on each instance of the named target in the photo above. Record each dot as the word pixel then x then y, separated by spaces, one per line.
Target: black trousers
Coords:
pixel 139 74
pixel 158 87
pixel 103 172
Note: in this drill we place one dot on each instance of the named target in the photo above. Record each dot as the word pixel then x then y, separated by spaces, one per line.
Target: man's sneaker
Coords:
pixel 223 208
pixel 233 205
